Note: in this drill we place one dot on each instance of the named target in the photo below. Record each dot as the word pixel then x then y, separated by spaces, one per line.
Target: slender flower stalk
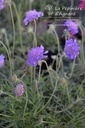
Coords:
pixel 35 33
pixel 8 56
pixel 19 23
pixel 12 19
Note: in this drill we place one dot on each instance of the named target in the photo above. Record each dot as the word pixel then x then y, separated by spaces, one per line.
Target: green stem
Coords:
pixel 72 68
pixel 59 63
pixel 35 39
pixel 49 98
pixel 13 29
pixel 34 72
pixel 35 44
pixel 67 90
pixel 57 39
pixel 80 87
pixel 46 64
pixel 26 97
pixel 8 57
pixel 11 96
pixel 9 51
pixel 19 23
pixel 7 43
pixel 39 71
pixel 7 116
pixel 31 74
pixel 4 77
pixel 82 43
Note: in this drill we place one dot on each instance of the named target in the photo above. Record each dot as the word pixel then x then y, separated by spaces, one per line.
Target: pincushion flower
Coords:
pixel 19 90
pixel 71 49
pixel 2 4
pixel 31 15
pixel 82 4
pixel 2 60
pixel 35 55
pixel 72 26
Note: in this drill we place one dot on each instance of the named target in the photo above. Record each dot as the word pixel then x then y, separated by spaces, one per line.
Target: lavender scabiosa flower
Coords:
pixel 2 60
pixel 72 26
pixel 71 49
pixel 19 90
pixel 2 4
pixel 31 15
pixel 35 55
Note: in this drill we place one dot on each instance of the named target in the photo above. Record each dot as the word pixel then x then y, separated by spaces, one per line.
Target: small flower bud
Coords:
pixel 14 78
pixel 19 90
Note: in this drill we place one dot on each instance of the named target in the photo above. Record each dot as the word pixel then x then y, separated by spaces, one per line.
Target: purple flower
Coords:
pixel 19 90
pixel 71 49
pixel 35 55
pixel 2 4
pixel 31 15
pixel 2 60
pixel 72 26
pixel 82 4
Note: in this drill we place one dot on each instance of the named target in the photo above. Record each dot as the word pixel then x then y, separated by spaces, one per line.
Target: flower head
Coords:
pixel 19 90
pixel 2 60
pixel 82 4
pixel 72 26
pixel 2 4
pixel 31 15
pixel 71 49
pixel 35 55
